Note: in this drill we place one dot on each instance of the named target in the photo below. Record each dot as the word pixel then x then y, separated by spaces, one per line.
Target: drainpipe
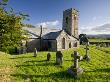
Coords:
pixel 41 37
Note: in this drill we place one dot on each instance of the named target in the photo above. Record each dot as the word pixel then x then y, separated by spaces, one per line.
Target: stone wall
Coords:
pixel 49 45
pixel 67 20
pixel 70 22
pixel 33 43
pixel 67 42
pixel 54 45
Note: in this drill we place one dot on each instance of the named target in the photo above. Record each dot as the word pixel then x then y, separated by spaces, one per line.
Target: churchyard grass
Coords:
pixel 26 68
pixel 105 49
pixel 6 67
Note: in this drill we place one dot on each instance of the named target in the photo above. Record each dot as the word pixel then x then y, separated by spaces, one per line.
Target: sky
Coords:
pixel 94 15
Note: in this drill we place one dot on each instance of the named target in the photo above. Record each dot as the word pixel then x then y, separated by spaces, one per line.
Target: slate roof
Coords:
pixel 46 33
pixel 51 35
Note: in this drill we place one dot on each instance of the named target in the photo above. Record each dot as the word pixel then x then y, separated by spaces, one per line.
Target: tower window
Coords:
pixel 63 43
pixel 74 17
pixel 70 45
pixel 75 44
pixel 67 20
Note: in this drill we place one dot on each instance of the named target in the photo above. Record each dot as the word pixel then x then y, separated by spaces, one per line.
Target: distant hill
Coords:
pixel 99 36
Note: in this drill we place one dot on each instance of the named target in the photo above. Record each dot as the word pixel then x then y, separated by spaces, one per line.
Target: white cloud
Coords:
pixel 98 25
pixel 49 24
pixel 101 29
pixel 85 30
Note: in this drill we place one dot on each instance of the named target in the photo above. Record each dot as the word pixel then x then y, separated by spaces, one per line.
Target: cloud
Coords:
pixel 85 30
pixel 102 28
pixel 97 25
pixel 49 24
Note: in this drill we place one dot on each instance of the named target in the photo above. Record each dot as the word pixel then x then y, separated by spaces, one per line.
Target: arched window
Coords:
pixel 63 43
pixel 75 44
pixel 70 45
pixel 74 17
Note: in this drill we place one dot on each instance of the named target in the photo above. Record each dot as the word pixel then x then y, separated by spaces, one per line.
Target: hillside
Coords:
pixel 99 40
pixel 26 68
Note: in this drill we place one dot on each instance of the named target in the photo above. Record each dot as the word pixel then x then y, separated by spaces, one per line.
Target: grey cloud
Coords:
pixel 103 28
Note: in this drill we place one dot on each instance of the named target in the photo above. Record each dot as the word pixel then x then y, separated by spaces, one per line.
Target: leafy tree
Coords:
pixel 29 26
pixel 83 39
pixel 10 27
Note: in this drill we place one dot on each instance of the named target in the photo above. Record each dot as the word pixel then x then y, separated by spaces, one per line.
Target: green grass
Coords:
pixel 27 68
pixel 6 67
pixel 99 40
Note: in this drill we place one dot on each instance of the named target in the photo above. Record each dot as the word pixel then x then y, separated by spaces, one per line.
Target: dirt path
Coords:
pixel 5 74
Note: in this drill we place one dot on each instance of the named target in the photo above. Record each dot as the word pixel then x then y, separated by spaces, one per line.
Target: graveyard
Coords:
pixel 28 68
pixel 61 41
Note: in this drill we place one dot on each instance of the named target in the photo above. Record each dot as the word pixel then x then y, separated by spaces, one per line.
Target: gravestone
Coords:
pixel 75 70
pixel 86 57
pixel 107 45
pixel 104 44
pixel 59 58
pixel 22 49
pixel 101 44
pixel 35 52
pixel 97 44
pixel 48 56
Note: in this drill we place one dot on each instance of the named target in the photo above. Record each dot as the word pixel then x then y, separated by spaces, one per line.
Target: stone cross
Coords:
pixel 35 52
pixel 73 57
pixel 48 57
pixel 86 57
pixel 76 58
pixel 75 70
pixel 59 57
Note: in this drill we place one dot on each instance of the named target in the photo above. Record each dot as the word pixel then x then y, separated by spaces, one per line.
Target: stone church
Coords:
pixel 46 39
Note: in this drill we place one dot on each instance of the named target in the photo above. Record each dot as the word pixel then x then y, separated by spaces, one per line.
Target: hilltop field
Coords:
pixel 26 68
pixel 99 40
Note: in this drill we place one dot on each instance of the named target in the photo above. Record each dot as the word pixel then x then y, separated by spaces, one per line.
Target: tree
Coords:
pixel 83 38
pixel 10 27
pixel 29 26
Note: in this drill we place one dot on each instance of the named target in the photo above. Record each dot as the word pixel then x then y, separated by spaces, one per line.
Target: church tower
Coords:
pixel 70 22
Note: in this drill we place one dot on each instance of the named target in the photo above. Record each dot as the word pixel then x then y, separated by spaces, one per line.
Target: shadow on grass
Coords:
pixel 14 53
pixel 22 57
pixel 54 76
pixel 108 52
pixel 63 75
pixel 39 61
pixel 102 70
pixel 43 64
pixel 69 60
